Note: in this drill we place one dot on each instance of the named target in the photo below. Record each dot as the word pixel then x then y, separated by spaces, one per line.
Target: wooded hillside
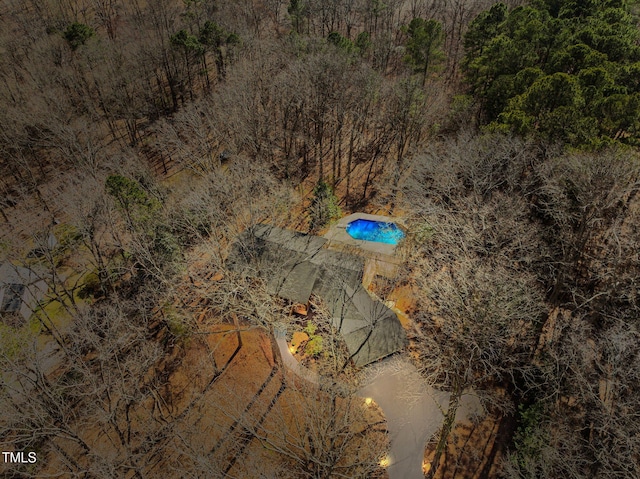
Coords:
pixel 146 136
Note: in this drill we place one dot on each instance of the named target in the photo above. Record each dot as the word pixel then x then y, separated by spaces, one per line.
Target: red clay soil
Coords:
pixel 473 451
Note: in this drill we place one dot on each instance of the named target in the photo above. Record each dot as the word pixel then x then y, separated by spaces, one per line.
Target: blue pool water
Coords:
pixel 378 231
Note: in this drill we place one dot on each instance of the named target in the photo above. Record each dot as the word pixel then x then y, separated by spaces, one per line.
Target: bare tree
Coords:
pixel 480 332
pixel 318 433
pixel 475 263
pixel 583 426
pixel 587 198
pixel 103 409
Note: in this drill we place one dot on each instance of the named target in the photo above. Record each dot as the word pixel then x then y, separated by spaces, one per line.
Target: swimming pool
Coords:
pixel 378 231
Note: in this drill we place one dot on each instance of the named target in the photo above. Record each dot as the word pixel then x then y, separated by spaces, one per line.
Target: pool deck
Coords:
pixel 382 256
pixel 338 233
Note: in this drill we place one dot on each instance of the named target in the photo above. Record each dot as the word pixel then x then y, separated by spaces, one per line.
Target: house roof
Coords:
pixel 20 289
pixel 370 329
pixel 13 274
pixel 11 294
pixel 295 265
pixel 338 268
pixel 279 256
pixel 291 240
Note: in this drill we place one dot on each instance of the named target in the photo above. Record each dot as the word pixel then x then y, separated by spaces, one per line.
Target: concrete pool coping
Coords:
pixel 338 234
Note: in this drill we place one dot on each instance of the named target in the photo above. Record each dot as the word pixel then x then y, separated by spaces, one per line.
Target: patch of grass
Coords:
pixel 176 324
pixel 51 312
pixel 85 286
pixel 314 346
pixel 90 286
pixel 34 325
pixel 68 235
pixel 423 232
pixel 310 329
pixel 14 340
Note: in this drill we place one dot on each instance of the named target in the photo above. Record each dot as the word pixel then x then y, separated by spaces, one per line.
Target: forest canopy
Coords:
pixel 140 140
pixel 565 71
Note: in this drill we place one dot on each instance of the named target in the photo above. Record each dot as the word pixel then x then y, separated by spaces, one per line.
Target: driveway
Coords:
pixel 414 410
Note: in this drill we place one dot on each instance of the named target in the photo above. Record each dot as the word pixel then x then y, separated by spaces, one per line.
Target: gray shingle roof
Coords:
pixel 281 257
pixel 13 274
pixel 20 289
pixel 295 265
pixel 12 294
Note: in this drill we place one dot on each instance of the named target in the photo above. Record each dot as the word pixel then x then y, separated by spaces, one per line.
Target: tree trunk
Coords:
pixel 447 427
